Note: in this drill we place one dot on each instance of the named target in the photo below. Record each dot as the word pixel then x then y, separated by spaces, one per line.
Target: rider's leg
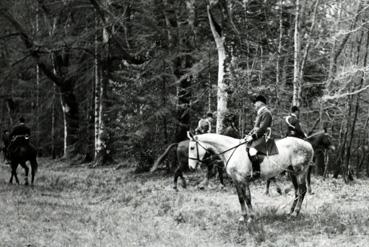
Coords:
pixel 255 160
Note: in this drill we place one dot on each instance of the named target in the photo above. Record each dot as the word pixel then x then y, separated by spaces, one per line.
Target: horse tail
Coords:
pixel 161 157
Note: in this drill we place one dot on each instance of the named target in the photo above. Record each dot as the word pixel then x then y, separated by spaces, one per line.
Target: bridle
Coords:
pixel 215 154
pixel 197 152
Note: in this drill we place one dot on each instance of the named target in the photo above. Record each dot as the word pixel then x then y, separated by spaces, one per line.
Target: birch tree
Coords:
pixel 222 95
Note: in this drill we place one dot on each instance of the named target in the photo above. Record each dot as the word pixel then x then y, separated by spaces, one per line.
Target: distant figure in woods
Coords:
pixel 205 124
pixel 20 130
pixel 230 128
pixel 20 151
pixel 293 124
pixel 6 141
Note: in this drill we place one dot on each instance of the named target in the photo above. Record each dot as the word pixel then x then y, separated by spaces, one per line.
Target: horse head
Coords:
pixel 321 140
pixel 196 151
pixel 327 142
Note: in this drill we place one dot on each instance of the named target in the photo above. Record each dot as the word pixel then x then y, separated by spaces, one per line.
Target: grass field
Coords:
pixel 77 206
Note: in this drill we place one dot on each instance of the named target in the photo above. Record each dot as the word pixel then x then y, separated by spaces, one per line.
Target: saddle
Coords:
pixel 264 145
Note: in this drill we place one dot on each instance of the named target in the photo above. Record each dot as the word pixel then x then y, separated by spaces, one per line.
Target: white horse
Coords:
pixel 295 156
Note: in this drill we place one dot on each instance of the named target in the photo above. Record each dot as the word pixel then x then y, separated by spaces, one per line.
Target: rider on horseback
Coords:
pixel 293 124
pixel 256 139
pixel 204 125
pixel 19 134
pixel 6 142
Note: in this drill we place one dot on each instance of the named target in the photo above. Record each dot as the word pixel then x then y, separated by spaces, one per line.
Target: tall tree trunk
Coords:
pixel 71 118
pixel 53 124
pixel 352 130
pixel 278 62
pixel 222 95
pixel 98 100
pixel 37 106
pixel 296 96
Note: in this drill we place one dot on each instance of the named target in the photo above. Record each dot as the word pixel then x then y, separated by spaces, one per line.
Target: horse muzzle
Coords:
pixel 193 163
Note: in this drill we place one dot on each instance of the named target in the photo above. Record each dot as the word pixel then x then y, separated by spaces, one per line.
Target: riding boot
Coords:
pixel 255 160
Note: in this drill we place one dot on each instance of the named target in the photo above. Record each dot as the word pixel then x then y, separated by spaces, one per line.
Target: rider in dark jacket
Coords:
pixel 293 124
pixel 20 129
pixel 18 136
pixel 256 138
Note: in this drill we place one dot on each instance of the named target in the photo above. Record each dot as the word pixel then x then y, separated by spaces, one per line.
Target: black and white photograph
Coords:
pixel 184 123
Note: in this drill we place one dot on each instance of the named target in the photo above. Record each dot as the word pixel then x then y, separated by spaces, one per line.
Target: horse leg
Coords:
pixel 241 198
pixel 301 179
pixel 14 173
pixel 295 185
pixel 220 173
pixel 308 180
pixel 247 194
pixel 34 166
pixel 269 180
pixel 25 167
pixel 177 173
pixel 205 182
pixel 184 185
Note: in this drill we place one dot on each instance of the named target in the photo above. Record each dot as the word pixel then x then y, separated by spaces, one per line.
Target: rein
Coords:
pixel 215 154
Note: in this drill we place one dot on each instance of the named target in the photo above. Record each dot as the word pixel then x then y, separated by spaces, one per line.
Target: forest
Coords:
pixel 103 81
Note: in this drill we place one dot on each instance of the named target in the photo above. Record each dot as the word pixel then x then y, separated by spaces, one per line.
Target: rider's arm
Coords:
pixel 209 126
pixel 198 125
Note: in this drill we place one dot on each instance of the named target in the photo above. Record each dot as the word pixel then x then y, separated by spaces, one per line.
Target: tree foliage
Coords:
pixel 160 65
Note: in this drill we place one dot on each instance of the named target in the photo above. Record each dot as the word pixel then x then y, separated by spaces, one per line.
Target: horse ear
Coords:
pixel 190 135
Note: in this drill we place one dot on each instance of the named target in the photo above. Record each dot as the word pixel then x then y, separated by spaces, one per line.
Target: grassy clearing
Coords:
pixel 76 206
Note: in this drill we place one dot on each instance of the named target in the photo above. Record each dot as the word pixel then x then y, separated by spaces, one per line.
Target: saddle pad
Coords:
pixel 265 147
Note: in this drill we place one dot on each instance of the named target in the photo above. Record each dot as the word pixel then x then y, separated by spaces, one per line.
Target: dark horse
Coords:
pixel 320 141
pixel 18 153
pixel 182 159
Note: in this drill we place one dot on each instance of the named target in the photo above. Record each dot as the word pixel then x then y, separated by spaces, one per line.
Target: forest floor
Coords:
pixel 78 206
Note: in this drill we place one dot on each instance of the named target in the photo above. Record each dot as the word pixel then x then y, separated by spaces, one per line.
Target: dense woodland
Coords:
pixel 106 80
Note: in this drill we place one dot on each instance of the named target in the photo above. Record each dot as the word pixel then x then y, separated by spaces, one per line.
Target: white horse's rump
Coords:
pixel 294 156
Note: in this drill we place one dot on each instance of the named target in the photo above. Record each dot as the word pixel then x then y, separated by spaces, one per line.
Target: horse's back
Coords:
pixel 296 149
pixel 24 152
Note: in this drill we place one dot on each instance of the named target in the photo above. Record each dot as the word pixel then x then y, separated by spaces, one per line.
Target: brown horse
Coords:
pixel 295 156
pixel 182 160
pixel 19 152
pixel 320 141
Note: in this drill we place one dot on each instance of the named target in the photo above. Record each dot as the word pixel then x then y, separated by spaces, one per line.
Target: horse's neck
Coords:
pixel 315 139
pixel 219 143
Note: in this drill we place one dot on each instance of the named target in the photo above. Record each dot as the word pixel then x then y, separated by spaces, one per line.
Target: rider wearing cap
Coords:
pixel 256 138
pixel 293 124
pixel 20 129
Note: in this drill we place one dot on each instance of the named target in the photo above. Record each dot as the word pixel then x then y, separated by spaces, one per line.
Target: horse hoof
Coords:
pixel 201 187
pixel 293 214
pixel 249 220
pixel 279 191
pixel 241 219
